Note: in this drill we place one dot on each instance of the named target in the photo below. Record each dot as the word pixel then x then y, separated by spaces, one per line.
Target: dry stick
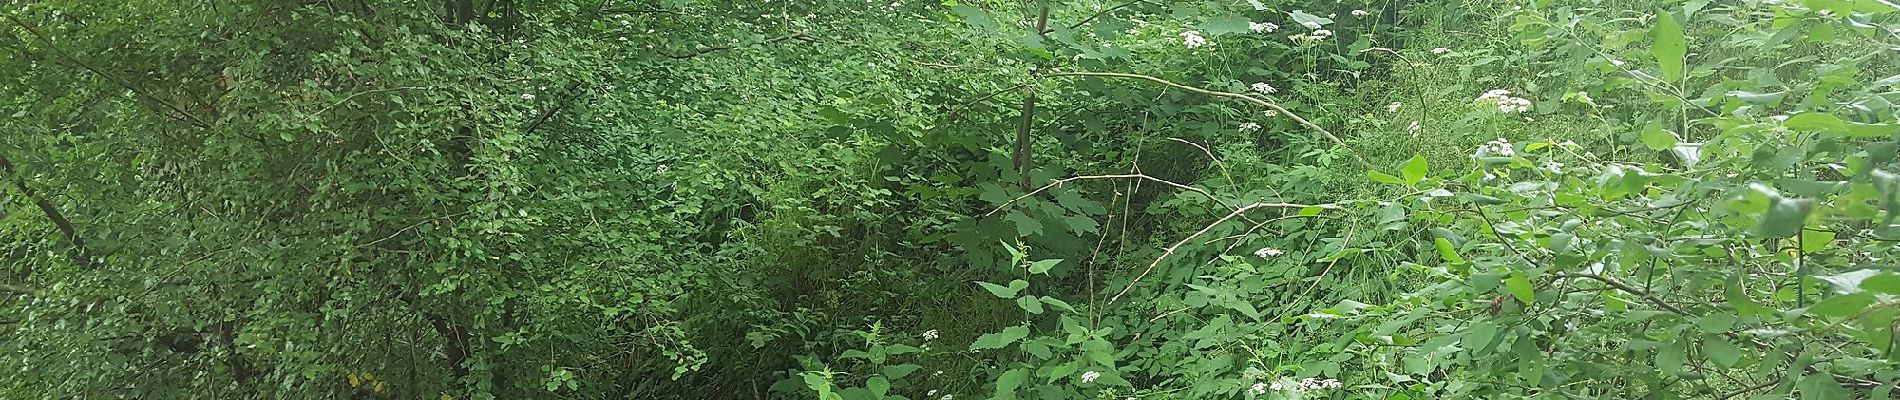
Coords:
pixel 1059 182
pixel 1177 245
pixel 1276 107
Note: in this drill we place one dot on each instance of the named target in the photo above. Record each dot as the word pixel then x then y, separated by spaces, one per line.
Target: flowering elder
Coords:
pixel 1193 39
pixel 1268 252
pixel 1264 88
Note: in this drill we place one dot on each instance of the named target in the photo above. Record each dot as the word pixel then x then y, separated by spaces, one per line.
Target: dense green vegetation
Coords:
pixel 950 199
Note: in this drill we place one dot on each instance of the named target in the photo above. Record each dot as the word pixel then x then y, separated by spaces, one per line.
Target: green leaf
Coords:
pixel 1815 241
pixel 1657 138
pixel 1721 351
pixel 1009 381
pixel 1005 291
pixel 1043 266
pixel 1842 305
pixel 1670 46
pixel 1888 283
pixel 1030 304
pixel 976 17
pixel 1301 17
pixel 1057 303
pixel 1520 287
pixel 1815 121
pixel 900 371
pixel 1414 169
pixel 878 385
pixel 1382 177
pixel 1000 339
pixel 1671 358
pixel 1225 24
pixel 1821 387
pixel 1784 217
pixel 1480 335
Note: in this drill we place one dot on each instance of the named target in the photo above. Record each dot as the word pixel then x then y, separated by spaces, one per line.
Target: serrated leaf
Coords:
pixel 878 385
pixel 1670 46
pixel 1030 304
pixel 1000 339
pixel 1004 291
pixel 900 371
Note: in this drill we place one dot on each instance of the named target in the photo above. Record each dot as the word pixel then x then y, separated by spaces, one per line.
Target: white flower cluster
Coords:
pixel 1310 25
pixel 1360 13
pixel 1193 39
pixel 1499 148
pixel 1266 252
pixel 1249 127
pixel 1262 27
pixel 1394 107
pixel 931 334
pixel 1317 35
pixel 1301 386
pixel 1506 103
pixel 1440 51
pixel 1090 376
pixel 1264 88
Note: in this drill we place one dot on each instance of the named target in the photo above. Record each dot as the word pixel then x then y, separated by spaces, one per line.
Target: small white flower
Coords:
pixel 931 334
pixel 1500 148
pixel 1322 34
pixel 1440 51
pixel 1264 88
pixel 1262 27
pixel 1310 25
pixel 1394 107
pixel 946 397
pixel 932 392
pixel 1277 386
pixel 1249 127
pixel 1415 127
pixel 1193 39
pixel 1090 376
pixel 527 96
pixel 1258 388
pixel 1360 13
pixel 1267 252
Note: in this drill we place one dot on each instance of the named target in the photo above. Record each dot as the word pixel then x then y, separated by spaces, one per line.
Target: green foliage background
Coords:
pixel 949 199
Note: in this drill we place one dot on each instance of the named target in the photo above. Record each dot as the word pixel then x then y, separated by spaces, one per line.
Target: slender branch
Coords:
pixel 78 253
pixel 1177 245
pixel 1268 104
pixel 1626 288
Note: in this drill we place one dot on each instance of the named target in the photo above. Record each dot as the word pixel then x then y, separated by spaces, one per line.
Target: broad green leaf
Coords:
pixel 1030 304
pixel 1671 358
pixel 1414 169
pixel 1842 305
pixel 1719 350
pixel 1784 217
pixel 1225 24
pixel 1657 138
pixel 1670 46
pixel 900 371
pixel 1480 335
pixel 1815 121
pixel 1888 283
pixel 1043 266
pixel 1382 177
pixel 1057 303
pixel 1815 240
pixel 878 385
pixel 1007 383
pixel 1520 287
pixel 1821 387
pixel 1301 17
pixel 1005 291
pixel 1000 339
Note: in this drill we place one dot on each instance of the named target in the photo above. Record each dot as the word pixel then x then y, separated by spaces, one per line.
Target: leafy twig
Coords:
pixel 1268 104
pixel 1177 245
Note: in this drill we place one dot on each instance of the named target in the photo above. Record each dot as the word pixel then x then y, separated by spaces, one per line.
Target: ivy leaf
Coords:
pixel 1000 339
pixel 1670 46
pixel 1520 287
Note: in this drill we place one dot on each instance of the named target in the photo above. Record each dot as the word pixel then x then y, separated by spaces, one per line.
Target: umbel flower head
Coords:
pixel 1505 102
pixel 1262 27
pixel 1264 88
pixel 1193 39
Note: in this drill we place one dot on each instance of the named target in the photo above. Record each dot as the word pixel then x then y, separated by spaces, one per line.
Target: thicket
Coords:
pixel 1042 199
